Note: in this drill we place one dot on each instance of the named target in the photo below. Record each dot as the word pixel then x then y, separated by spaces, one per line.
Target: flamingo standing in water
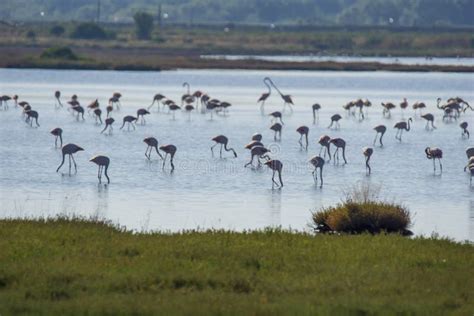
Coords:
pixel 317 162
pixel 58 133
pixel 339 143
pixel 57 96
pixel 419 106
pixel 380 129
pixel 286 97
pixel 434 153
pixel 30 115
pixel 222 140
pixel 108 124
pixel 70 150
pixel 276 115
pixel 277 129
pixel 429 119
pixel 264 96
pixel 400 126
pixel 98 118
pixel 404 105
pixel 324 141
pixel 141 114
pixel 257 137
pixel 187 94
pixel 152 142
pixel 260 152
pixel 276 166
pixel 303 131
pixel 316 107
pixel 115 100
pixel 103 163
pixel 129 119
pixel 157 98
pixel 367 151
pixel 387 107
pixel 465 132
pixel 80 111
pixel 169 150
pixel 173 108
pixel 335 119
pixel 253 144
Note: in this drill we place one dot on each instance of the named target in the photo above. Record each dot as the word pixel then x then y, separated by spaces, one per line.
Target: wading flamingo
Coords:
pixel 129 119
pixel 253 144
pixel 157 98
pixel 335 120
pixel 277 129
pixel 429 119
pixel 317 162
pixel 103 163
pixel 276 115
pixel 259 152
pixel 152 142
pixel 141 114
pixel 70 150
pixel 367 151
pixel 264 96
pixel 257 137
pixel 58 133
pixel 222 140
pixel 434 153
pixel 303 131
pixel 400 126
pixel 387 107
pixel 286 97
pixel 276 166
pixel 339 143
pixel 316 107
pixel 57 96
pixel 108 124
pixel 30 115
pixel 324 141
pixel 465 132
pixel 169 150
pixel 380 129
pixel 98 114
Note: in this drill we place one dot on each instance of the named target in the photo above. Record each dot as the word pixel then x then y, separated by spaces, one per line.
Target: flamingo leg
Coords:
pixel 74 161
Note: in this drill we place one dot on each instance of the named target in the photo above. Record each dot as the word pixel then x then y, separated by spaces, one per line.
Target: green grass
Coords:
pixel 77 267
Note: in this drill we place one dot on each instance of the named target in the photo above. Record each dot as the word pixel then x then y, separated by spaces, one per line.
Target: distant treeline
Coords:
pixel 294 12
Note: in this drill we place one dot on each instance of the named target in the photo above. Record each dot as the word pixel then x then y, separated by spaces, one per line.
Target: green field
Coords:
pixel 79 267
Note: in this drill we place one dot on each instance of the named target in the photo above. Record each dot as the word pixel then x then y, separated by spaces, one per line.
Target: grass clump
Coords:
pixel 362 212
pixel 59 52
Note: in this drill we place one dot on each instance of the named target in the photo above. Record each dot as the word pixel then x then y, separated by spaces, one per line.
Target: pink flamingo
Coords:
pixel 276 166
pixel 264 96
pixel 58 133
pixel 103 163
pixel 129 119
pixel 69 149
pixel 169 150
pixel 152 142
pixel 434 153
pixel 367 151
pixel 380 129
pixel 108 124
pixel 317 162
pixel 303 131
pixel 222 140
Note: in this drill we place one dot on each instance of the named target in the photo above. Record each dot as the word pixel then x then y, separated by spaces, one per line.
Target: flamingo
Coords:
pixel 400 126
pixel 222 140
pixel 277 115
pixel 157 98
pixel 188 92
pixel 103 163
pixel 115 100
pixel 189 108
pixel 339 143
pixel 173 108
pixel 108 124
pixel 57 96
pixel 98 113
pixel 30 115
pixel 141 114
pixel 404 104
pixel 15 99
pixel 169 150
pixel 303 131
pixel 152 142
pixel 387 107
pixel 434 153
pixel 316 107
pixel 348 106
pixel 335 119
pixel 129 119
pixel 264 96
pixel 286 97
pixel 429 119
pixel 58 133
pixel 379 129
pixel 276 166
pixel 464 126
pixel 470 162
pixel 260 152
pixel 109 109
pixel 367 151
pixel 317 162
pixel 419 106
pixel 471 171
pixel 93 105
pixel 80 111
pixel 4 100
pixel 277 129
pixel 324 141
pixel 70 150
pixel 360 104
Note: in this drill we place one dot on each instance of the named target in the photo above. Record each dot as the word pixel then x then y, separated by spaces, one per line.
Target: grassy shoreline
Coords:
pixel 73 266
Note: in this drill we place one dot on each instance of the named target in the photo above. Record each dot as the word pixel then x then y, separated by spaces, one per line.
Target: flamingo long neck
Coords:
pixel 437 104
pixel 187 86
pixel 408 126
pixel 274 86
pixel 268 86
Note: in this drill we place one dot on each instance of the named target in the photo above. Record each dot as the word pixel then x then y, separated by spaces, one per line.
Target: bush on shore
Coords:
pixel 361 212
pixel 59 52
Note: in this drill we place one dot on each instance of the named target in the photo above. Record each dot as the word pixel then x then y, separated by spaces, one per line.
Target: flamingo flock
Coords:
pixel 198 101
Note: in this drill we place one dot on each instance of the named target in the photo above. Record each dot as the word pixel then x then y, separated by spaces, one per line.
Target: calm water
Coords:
pixel 352 59
pixel 208 192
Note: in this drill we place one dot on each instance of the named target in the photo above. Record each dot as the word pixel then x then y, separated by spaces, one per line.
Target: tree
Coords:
pixel 57 30
pixel 143 24
pixel 89 31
